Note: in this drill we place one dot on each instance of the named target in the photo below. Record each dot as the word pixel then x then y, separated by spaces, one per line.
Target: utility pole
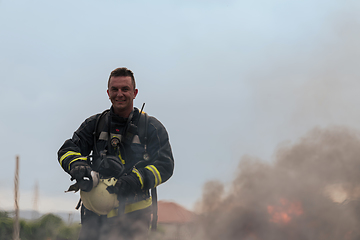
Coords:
pixel 16 233
pixel 35 212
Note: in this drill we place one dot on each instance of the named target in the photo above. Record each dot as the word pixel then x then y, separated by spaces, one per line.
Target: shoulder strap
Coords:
pixel 101 121
pixel 142 128
pixel 142 131
pixel 154 209
pixel 142 124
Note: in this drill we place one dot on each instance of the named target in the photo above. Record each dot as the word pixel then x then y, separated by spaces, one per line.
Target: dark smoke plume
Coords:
pixel 310 191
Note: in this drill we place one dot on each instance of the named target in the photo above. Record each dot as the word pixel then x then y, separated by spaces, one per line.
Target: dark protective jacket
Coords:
pixel 157 169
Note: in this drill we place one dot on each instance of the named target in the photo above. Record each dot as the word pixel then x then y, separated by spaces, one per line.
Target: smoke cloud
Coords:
pixel 310 191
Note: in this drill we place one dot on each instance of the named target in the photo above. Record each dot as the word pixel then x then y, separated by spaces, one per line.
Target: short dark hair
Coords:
pixel 122 72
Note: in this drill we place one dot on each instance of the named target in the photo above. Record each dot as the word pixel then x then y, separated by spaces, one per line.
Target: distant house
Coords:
pixel 173 213
pixel 174 222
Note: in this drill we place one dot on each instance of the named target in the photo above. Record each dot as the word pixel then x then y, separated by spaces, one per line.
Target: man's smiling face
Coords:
pixel 122 93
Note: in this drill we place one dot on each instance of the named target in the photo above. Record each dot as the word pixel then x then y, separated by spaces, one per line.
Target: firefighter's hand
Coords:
pixel 125 186
pixel 80 170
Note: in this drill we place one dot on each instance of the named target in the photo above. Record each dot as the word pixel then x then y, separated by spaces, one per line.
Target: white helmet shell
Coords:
pixel 99 200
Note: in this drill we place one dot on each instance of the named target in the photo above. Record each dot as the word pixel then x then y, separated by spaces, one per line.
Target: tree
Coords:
pixel 47 227
pixel 6 226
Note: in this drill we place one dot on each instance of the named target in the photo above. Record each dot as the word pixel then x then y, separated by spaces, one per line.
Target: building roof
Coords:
pixel 171 212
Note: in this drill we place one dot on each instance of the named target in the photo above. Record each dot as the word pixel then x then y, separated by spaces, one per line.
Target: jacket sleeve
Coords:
pixel 161 165
pixel 79 146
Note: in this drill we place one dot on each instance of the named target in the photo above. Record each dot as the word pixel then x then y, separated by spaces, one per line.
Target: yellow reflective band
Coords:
pixel 156 173
pixel 139 176
pixel 131 207
pixel 138 205
pixel 113 213
pixel 76 159
pixel 68 154
pixel 122 160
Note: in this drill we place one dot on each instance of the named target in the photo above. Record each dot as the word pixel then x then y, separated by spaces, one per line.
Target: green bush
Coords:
pixel 6 226
pixel 47 227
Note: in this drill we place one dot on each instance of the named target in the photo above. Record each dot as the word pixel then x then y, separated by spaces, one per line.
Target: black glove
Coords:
pixel 126 186
pixel 81 172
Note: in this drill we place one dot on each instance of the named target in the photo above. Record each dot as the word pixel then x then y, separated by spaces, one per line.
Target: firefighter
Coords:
pixel 116 157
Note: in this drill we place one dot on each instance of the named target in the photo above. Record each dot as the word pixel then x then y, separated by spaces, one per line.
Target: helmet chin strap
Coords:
pixel 95 178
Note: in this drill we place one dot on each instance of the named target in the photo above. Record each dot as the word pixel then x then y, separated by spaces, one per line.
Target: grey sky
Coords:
pixel 226 78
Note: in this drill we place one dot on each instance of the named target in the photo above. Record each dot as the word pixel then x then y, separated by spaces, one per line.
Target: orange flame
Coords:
pixel 285 211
